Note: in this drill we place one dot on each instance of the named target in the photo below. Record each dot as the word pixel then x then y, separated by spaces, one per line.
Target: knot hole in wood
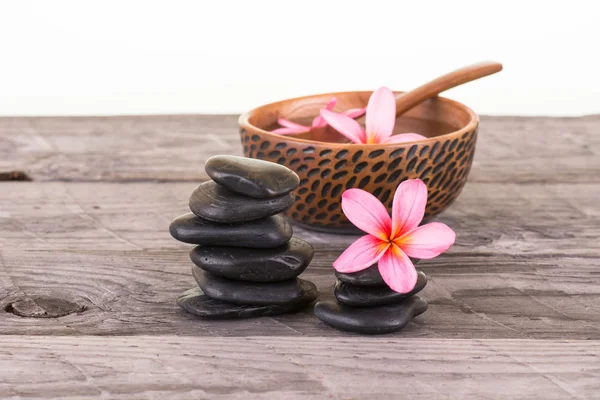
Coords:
pixel 14 176
pixel 43 307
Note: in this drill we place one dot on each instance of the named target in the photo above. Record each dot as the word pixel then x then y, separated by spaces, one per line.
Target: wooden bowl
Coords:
pixel 327 165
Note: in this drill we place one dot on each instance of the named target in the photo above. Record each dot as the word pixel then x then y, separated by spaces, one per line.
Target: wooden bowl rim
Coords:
pixel 244 118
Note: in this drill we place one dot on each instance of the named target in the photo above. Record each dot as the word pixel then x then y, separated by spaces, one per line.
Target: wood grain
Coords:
pixel 515 304
pixel 85 367
pixel 174 148
pixel 106 246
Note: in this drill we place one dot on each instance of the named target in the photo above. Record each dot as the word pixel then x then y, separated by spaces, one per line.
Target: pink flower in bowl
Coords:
pixel 390 241
pixel 290 128
pixel 380 121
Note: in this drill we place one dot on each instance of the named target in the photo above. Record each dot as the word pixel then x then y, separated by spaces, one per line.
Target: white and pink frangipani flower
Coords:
pixel 392 240
pixel 381 118
pixel 289 127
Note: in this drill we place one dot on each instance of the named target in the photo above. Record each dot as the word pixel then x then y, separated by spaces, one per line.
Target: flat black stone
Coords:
pixel 216 203
pixel 371 320
pixel 368 296
pixel 366 277
pixel 196 302
pixel 273 231
pixel 252 177
pixel 255 265
pixel 253 293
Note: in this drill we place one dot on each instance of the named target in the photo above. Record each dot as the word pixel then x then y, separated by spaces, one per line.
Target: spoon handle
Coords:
pixel 408 100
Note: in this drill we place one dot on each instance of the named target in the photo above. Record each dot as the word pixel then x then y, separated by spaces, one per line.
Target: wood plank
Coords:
pixel 524 265
pixel 149 367
pixel 174 148
pixel 138 148
pixel 537 150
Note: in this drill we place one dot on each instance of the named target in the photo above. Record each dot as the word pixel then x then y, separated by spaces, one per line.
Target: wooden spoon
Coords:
pixel 408 100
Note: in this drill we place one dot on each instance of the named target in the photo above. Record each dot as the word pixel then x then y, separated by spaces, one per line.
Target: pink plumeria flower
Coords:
pixel 381 118
pixel 391 241
pixel 290 127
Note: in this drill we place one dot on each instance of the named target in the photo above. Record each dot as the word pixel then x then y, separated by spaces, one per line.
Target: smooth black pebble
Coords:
pixel 255 265
pixel 371 320
pixel 273 231
pixel 252 177
pixel 367 277
pixel 254 293
pixel 196 302
pixel 368 296
pixel 216 203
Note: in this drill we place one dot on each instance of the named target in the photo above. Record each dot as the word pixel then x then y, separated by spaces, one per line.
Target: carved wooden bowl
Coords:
pixel 328 165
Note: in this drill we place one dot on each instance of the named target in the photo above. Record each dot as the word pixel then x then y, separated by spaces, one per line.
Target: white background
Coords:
pixel 141 57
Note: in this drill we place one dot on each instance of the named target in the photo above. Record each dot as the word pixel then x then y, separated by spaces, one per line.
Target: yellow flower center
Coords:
pixel 401 240
pixel 371 138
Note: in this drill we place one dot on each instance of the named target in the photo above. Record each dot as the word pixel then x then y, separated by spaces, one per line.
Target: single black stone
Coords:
pixel 368 296
pixel 273 231
pixel 216 203
pixel 255 265
pixel 252 177
pixel 373 320
pixel 254 293
pixel 366 277
pixel 196 302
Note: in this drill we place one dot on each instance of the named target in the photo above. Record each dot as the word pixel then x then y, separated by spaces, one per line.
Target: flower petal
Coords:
pixel 330 106
pixel 286 131
pixel 355 112
pixel 397 270
pixel 427 241
pixel 361 254
pixel 405 137
pixel 292 125
pixel 345 125
pixel 318 121
pixel 367 213
pixel 408 207
pixel 381 115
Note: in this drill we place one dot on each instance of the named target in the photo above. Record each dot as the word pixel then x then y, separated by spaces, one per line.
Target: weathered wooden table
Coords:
pixel 514 305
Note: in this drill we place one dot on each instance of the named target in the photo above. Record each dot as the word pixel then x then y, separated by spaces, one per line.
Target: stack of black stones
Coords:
pixel 246 263
pixel 365 304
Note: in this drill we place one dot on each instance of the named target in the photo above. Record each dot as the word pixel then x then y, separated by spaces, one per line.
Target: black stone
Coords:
pixel 252 177
pixel 366 277
pixel 196 302
pixel 216 203
pixel 255 265
pixel 372 320
pixel 254 293
pixel 368 296
pixel 265 233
